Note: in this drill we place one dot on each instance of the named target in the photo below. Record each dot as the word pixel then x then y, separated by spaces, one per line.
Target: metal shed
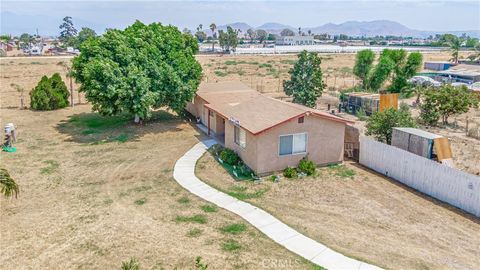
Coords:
pixel 422 143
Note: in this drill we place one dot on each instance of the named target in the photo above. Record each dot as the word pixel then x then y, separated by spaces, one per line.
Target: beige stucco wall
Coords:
pixel 325 141
pixel 247 154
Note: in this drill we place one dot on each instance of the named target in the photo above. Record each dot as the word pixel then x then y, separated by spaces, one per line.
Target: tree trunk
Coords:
pixel 136 120
pixel 21 103
pixel 213 45
pixel 71 92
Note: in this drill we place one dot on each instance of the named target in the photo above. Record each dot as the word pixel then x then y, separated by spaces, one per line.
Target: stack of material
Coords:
pixel 370 103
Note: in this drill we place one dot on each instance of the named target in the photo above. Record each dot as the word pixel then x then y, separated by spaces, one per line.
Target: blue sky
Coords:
pixel 420 15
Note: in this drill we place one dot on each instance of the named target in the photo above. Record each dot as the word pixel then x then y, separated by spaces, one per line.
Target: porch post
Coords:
pixel 208 128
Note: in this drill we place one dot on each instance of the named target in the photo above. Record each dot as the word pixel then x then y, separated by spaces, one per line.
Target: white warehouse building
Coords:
pixel 295 40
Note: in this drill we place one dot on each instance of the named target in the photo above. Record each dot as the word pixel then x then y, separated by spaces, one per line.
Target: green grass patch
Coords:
pixel 230 62
pixel 195 232
pixel 288 61
pixel 342 171
pixel 121 138
pixel 200 219
pixel 231 245
pixel 241 193
pixel 183 200
pixel 265 65
pixel 208 208
pixel 241 72
pixel 52 166
pixel 221 73
pixel 141 201
pixel 235 228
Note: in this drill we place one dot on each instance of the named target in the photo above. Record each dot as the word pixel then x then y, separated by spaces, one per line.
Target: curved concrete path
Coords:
pixel 184 174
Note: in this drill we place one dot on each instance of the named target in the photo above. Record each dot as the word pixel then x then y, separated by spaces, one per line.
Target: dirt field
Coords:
pixel 367 216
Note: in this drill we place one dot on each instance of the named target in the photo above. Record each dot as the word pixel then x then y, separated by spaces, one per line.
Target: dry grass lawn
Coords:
pixel 96 192
pixel 365 216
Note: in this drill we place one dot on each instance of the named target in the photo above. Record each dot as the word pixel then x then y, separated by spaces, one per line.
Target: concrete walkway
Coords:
pixel 184 174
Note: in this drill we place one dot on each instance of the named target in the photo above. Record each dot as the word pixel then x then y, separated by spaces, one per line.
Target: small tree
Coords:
pixel 68 31
pixel 20 90
pixel 8 186
pixel 261 35
pixel 49 94
pixel 287 33
pixel 228 40
pixel 445 102
pixel 363 66
pixel 380 124
pixel 305 84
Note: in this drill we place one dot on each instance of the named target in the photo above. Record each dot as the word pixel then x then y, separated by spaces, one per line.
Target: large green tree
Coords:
pixel 363 66
pixel 444 102
pixel 305 84
pixel 394 65
pixel 381 124
pixel 137 69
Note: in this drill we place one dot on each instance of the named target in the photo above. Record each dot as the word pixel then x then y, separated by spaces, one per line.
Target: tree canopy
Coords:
pixel 68 31
pixel 305 84
pixel 381 124
pixel 363 66
pixel 83 35
pixel 287 32
pixel 444 102
pixel 137 69
pixel 228 40
pixel 392 64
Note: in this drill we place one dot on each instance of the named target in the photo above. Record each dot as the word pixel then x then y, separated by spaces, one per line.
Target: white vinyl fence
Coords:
pixel 446 184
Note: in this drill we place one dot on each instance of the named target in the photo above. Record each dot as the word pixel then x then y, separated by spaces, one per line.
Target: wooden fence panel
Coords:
pixel 444 183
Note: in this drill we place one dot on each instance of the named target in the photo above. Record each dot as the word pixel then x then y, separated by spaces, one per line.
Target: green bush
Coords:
pixel 229 156
pixel 307 166
pixel 216 149
pixel 49 94
pixel 290 172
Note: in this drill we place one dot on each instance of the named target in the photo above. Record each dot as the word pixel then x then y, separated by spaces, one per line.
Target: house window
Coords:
pixel 301 120
pixel 293 144
pixel 240 137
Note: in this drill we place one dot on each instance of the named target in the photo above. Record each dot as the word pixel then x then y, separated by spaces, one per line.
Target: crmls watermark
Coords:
pixel 280 263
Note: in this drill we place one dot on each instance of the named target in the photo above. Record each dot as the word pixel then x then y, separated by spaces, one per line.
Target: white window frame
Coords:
pixel 240 130
pixel 293 154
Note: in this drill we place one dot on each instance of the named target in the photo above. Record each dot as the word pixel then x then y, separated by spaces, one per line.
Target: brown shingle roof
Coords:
pixel 254 111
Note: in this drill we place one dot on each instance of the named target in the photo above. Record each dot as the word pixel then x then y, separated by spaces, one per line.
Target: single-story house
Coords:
pixel 268 134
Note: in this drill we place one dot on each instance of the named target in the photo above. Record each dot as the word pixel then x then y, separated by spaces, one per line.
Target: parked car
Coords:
pixel 424 80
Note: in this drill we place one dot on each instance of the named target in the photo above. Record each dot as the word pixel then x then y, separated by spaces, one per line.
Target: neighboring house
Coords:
pixel 438 65
pixel 460 73
pixel 268 134
pixel 295 40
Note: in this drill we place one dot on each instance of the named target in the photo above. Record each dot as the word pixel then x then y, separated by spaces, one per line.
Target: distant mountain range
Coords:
pixel 353 28
pixel 16 24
